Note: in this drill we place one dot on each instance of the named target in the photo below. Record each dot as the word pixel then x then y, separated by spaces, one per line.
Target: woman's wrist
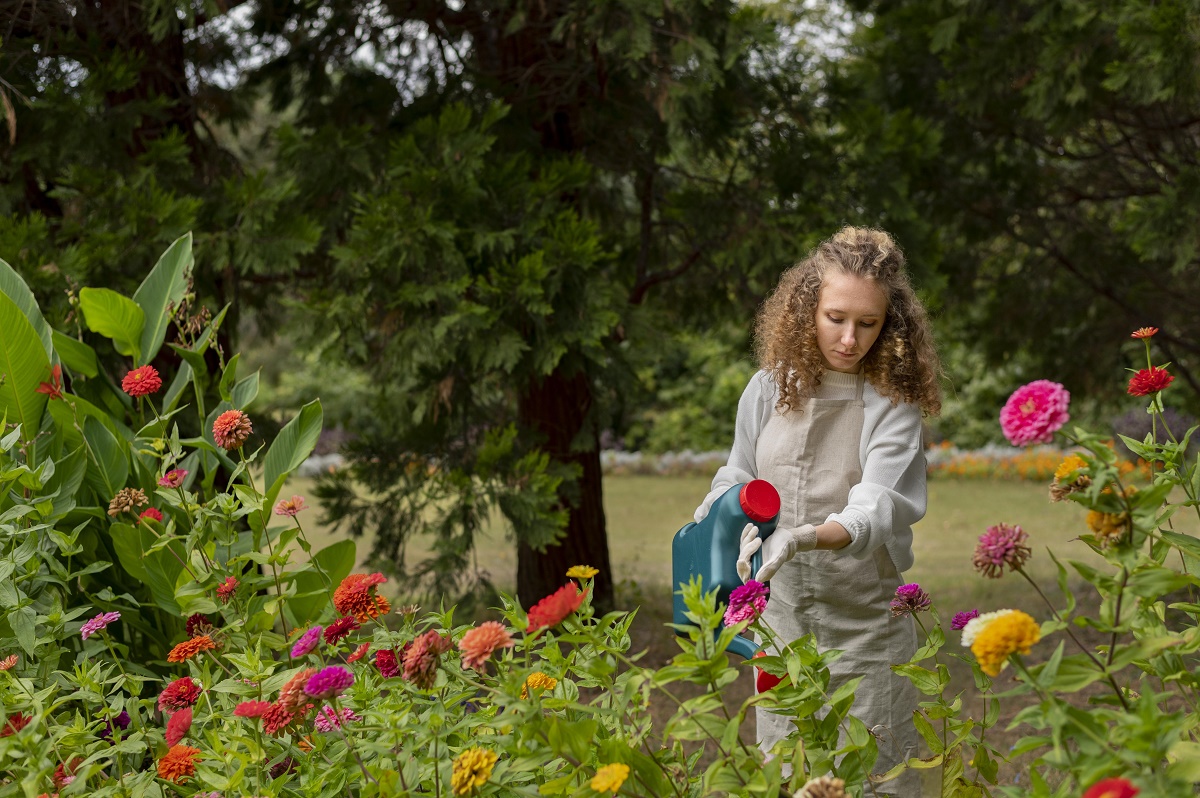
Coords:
pixel 832 536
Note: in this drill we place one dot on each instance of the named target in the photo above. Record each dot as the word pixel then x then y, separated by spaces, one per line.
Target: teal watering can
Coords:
pixel 709 549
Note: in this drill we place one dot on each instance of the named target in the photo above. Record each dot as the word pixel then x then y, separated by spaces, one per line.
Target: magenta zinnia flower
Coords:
pixel 961 619
pixel 329 682
pixel 173 478
pixel 307 642
pixel 1000 545
pixel 1035 412
pixel 327 719
pixel 101 621
pixel 909 599
pixel 746 602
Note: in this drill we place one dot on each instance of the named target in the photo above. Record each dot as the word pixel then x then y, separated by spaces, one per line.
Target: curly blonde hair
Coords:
pixel 903 364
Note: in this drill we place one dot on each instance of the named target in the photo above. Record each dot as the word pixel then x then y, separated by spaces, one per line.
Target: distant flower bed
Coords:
pixel 998 461
pixel 671 464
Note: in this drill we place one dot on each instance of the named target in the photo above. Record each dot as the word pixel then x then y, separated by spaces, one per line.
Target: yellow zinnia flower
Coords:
pixel 1009 633
pixel 1068 466
pixel 472 769
pixel 610 777
pixel 538 681
pixel 581 572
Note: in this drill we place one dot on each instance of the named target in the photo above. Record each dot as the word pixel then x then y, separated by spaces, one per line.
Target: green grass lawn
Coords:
pixel 644 512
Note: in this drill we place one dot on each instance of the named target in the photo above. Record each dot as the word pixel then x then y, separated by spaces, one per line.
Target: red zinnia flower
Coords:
pixel 1144 332
pixel 276 719
pixel 179 694
pixel 53 389
pixel 142 381
pixel 14 724
pixel 339 629
pixel 231 429
pixel 1111 788
pixel 178 726
pixel 385 661
pixel 226 589
pixel 252 709
pixel 64 774
pixel 152 513
pixel 359 653
pixel 551 610
pixel 1148 381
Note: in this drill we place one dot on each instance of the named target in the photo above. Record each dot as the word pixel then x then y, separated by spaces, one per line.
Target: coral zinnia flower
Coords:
pixel 276 719
pixel 335 631
pixel 190 648
pixel 356 596
pixel 14 724
pixel 179 694
pixel 1148 381
pixel 746 602
pixel 961 619
pixel 421 658
pixel 329 682
pixel 290 507
pixel 179 764
pixel 1035 412
pixel 178 726
pixel 909 599
pixel 101 621
pixel 361 652
pixel 581 572
pixel 291 695
pixel 472 769
pixel 538 681
pixel 1111 788
pixel 610 777
pixel 1000 545
pixel 385 661
pixel 173 478
pixel 1011 632
pixel 551 610
pixel 231 429
pixel 226 589
pixel 478 644
pixel 1144 332
pixel 307 642
pixel 8 662
pixel 142 381
pixel 53 389
pixel 252 709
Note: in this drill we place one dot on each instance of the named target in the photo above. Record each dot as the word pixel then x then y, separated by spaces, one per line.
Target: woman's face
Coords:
pixel 850 315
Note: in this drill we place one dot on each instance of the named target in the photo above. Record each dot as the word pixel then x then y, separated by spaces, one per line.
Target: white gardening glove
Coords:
pixel 706 505
pixel 780 547
pixel 751 543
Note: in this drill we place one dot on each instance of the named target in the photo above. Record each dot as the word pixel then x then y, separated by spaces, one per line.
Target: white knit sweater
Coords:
pixel 891 496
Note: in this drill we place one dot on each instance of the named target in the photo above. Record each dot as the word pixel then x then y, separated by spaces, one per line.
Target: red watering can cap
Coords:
pixel 759 500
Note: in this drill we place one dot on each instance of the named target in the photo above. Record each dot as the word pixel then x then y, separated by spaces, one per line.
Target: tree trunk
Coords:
pixel 555 409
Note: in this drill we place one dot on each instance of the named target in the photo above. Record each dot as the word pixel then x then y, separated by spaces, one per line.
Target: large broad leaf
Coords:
pixel 158 570
pixel 291 447
pixel 12 286
pixel 75 355
pixel 162 289
pixel 114 316
pixel 24 364
pixel 336 561
pixel 108 467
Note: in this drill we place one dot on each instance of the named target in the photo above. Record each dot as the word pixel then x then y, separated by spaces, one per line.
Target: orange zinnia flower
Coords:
pixel 356 596
pixel 178 764
pixel 190 648
pixel 1144 332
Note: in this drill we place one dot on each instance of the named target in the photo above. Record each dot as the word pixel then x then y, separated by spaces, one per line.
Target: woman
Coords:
pixel 833 421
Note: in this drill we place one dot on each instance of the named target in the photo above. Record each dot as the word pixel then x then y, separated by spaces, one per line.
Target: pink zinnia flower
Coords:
pixel 340 628
pixel 142 381
pixel 96 624
pixel 231 429
pixel 173 478
pixel 1001 545
pixel 152 513
pixel 385 661
pixel 329 682
pixel 252 709
pixel 178 725
pixel 478 644
pixel 8 662
pixel 1148 381
pixel 179 694
pixel 1035 412
pixel 909 599
pixel 327 719
pixel 290 507
pixel 307 642
pixel 421 658
pixel 226 589
pixel 961 619
pixel 746 602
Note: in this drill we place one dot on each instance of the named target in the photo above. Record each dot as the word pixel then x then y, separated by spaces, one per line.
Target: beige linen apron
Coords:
pixel 812 458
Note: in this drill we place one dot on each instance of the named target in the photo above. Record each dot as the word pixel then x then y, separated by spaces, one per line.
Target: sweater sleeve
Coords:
pixel 892 494
pixel 753 410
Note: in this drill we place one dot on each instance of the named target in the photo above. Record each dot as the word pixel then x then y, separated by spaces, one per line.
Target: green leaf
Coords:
pixel 24 365
pixel 244 392
pixel 291 447
pixel 114 316
pixel 336 560
pixel 109 466
pixel 158 570
pixel 163 289
pixel 75 355
pixel 23 622
pixel 228 378
pixel 14 287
